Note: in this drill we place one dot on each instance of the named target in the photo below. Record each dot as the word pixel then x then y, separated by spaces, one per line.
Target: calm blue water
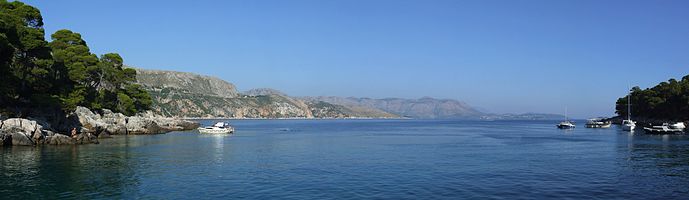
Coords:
pixel 359 159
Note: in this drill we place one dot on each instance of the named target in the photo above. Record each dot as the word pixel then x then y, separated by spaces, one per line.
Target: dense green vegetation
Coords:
pixel 38 75
pixel 667 101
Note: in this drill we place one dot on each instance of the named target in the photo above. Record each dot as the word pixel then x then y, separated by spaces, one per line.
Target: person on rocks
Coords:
pixel 74 132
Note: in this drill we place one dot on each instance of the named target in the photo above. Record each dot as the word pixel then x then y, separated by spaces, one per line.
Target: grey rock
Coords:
pixel 59 139
pixel 118 124
pixel 47 133
pixel 21 139
pixel 5 139
pixel 28 127
pixel 39 137
pixel 114 123
pixel 87 138
pixel 142 125
pixel 88 120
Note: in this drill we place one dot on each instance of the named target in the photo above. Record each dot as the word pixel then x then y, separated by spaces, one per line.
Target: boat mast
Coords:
pixel 566 114
pixel 629 107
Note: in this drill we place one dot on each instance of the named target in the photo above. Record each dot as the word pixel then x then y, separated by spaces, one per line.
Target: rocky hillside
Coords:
pixel 188 95
pixel 414 108
pixel 184 82
pixel 179 94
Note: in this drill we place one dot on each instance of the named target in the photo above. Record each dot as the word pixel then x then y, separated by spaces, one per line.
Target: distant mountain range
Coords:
pixel 412 108
pixel 188 95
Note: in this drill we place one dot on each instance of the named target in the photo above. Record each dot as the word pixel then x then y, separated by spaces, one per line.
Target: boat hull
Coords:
pixel 661 131
pixel 560 126
pixel 628 128
pixel 598 125
pixel 216 131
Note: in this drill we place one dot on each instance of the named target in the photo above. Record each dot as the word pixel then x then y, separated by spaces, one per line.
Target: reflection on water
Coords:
pixel 359 159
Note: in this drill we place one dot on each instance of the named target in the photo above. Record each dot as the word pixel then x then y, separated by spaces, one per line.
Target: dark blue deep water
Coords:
pixel 359 159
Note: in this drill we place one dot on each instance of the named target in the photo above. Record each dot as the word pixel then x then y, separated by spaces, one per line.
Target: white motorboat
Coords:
pixel 665 129
pixel 628 124
pixel 217 128
pixel 566 124
pixel 598 123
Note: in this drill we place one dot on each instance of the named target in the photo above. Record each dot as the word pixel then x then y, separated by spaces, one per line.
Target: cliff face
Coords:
pixel 185 83
pixel 179 94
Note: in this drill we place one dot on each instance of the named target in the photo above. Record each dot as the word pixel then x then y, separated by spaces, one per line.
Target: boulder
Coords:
pixel 118 124
pixel 58 139
pixel 115 123
pixel 47 133
pixel 43 122
pixel 21 139
pixel 88 120
pixel 188 125
pixel 142 125
pixel 38 138
pixel 5 139
pixel 86 138
pixel 28 127
pixel 18 131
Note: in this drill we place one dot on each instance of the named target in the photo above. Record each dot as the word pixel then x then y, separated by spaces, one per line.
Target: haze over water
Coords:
pixel 355 159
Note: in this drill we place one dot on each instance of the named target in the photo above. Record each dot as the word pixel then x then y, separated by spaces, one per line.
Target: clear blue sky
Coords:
pixel 503 56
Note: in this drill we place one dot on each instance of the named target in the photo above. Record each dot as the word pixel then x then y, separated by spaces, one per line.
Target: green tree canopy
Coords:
pixel 667 101
pixel 25 58
pixel 63 73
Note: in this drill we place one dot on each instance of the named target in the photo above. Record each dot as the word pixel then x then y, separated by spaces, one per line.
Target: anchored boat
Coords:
pixel 598 123
pixel 628 124
pixel 566 124
pixel 676 128
pixel 217 128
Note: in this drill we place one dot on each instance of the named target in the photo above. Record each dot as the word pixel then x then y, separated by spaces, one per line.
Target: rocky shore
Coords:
pixel 90 125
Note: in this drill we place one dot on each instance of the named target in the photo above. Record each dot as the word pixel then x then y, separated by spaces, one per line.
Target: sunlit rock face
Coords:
pixel 187 95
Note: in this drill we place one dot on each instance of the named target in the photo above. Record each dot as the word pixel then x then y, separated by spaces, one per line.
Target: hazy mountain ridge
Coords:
pixel 523 116
pixel 426 107
pixel 188 95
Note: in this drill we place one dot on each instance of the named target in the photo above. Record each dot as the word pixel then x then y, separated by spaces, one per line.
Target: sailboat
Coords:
pixel 566 124
pixel 628 124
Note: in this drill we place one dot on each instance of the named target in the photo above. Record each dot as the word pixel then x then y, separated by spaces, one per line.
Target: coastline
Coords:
pixel 293 118
pixel 86 127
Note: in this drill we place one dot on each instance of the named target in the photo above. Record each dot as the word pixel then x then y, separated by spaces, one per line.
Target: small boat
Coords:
pixel 665 129
pixel 217 128
pixel 566 125
pixel 598 123
pixel 628 124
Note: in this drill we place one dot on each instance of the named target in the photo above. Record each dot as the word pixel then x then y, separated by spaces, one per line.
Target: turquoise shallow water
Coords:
pixel 358 159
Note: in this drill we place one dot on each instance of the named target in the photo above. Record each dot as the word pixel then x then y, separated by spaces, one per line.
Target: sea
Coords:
pixel 358 159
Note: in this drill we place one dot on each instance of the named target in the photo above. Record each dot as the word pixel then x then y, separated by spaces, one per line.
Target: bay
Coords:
pixel 358 159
